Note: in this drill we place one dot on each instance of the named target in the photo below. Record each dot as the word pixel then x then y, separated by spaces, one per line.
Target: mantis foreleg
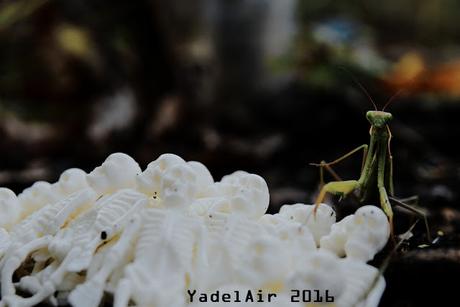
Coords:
pixel 390 165
pixel 338 187
pixel 384 201
pixel 341 188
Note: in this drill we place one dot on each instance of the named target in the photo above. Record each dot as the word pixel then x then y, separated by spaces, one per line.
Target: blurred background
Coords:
pixel 265 86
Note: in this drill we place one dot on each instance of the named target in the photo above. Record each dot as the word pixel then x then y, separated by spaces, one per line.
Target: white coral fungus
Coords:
pixel 172 236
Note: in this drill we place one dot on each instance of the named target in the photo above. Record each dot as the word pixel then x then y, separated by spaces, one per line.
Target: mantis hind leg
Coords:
pixel 331 171
pixel 403 204
pixel 411 200
pixel 324 164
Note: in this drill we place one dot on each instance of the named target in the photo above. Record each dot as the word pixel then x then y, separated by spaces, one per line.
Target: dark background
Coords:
pixel 261 85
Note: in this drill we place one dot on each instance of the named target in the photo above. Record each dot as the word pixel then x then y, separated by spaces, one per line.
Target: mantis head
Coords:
pixel 378 118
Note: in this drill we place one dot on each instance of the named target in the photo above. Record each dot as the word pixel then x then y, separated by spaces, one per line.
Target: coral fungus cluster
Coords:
pixel 172 236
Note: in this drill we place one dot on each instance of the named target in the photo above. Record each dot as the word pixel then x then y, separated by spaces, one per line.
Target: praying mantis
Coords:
pixel 377 163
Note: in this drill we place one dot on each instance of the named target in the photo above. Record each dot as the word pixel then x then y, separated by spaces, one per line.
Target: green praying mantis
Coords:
pixel 377 163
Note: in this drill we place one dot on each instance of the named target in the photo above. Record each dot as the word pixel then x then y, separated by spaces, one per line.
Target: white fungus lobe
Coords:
pixel 10 209
pixel 70 181
pixel 118 171
pixel 36 197
pixel 149 181
pixel 319 223
pixel 359 236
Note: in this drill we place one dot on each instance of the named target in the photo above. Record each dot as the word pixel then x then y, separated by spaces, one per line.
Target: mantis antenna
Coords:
pixel 360 86
pixel 411 82
pixel 392 98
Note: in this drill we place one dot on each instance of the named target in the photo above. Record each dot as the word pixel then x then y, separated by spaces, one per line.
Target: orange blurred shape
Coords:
pixel 411 73
pixel 444 78
pixel 406 73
